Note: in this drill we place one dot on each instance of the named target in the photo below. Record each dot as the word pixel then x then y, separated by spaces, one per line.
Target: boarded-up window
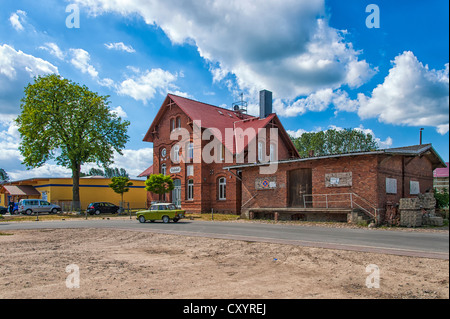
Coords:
pixel 338 179
pixel 414 188
pixel 391 186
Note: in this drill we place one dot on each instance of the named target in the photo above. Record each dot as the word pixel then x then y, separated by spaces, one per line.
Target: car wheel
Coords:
pixel 165 219
pixel 28 212
pixel 54 211
pixel 97 212
pixel 141 219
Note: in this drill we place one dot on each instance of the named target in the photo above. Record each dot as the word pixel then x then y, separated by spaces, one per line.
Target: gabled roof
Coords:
pixel 211 116
pixel 147 172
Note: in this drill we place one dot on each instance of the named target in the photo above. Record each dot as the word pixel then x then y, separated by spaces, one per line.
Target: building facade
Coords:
pixel 334 185
pixel 59 191
pixel 193 141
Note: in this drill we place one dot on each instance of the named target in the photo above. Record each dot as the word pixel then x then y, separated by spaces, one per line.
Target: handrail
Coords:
pixel 352 200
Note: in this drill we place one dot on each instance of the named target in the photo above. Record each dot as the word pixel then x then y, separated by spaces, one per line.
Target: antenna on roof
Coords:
pixel 240 106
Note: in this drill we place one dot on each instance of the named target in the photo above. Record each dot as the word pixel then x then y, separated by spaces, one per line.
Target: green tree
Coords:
pixel 442 198
pixel 120 185
pixel 3 176
pixel 66 122
pixel 334 142
pixel 159 184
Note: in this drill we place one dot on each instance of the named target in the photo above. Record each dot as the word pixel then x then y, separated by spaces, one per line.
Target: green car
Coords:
pixel 161 211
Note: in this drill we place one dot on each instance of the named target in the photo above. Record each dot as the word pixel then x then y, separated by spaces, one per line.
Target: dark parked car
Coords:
pixel 3 210
pixel 102 208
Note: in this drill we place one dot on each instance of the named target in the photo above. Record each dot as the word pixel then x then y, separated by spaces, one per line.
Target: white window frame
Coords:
pixel 190 170
pixel 190 189
pixel 222 188
pixel 176 154
pixel 190 152
pixel 260 151
pixel 272 152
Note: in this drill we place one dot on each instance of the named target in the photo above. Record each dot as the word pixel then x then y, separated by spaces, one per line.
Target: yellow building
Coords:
pixel 59 191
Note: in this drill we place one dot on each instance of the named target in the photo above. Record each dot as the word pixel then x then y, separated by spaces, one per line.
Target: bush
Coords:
pixel 442 198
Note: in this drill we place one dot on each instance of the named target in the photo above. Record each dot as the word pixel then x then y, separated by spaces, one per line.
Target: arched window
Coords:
pixel 172 125
pixel 222 188
pixel 176 154
pixel 190 190
pixel 178 122
pixel 190 152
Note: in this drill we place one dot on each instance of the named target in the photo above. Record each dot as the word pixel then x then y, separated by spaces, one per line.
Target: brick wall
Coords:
pixel 368 180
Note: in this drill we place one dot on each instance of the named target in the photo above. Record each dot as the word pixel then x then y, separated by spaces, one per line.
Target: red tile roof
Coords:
pixel 212 116
pixel 441 172
pixel 147 172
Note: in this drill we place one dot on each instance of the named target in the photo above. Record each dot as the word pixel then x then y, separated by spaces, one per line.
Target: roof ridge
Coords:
pixel 207 104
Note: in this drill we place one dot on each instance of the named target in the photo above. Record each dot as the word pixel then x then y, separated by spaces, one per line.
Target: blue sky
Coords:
pixel 326 68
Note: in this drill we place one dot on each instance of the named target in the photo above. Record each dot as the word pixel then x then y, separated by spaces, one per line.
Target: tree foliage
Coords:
pixel 120 185
pixel 442 198
pixel 107 172
pixel 159 184
pixel 66 122
pixel 334 142
pixel 3 176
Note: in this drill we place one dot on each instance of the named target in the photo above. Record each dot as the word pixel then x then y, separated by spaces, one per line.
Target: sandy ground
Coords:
pixel 127 264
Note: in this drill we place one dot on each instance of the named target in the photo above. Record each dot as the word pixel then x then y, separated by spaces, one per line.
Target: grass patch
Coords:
pixel 5 234
pixel 217 217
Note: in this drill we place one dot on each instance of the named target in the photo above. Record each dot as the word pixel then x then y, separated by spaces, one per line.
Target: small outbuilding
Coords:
pixel 337 187
pixel 59 191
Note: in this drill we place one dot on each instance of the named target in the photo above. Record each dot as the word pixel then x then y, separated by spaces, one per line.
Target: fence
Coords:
pixel 71 206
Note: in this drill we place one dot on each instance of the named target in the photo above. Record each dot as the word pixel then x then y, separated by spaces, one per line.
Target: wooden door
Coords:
pixel 300 184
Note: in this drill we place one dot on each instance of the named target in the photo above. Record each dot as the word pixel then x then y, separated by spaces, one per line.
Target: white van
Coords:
pixel 30 206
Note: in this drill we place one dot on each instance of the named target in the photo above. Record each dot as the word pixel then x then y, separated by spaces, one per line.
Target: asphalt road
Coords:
pixel 406 243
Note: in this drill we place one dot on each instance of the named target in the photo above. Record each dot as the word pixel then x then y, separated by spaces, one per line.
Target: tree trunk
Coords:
pixel 76 187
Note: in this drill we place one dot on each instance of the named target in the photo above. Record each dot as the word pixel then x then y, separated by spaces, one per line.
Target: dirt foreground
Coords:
pixel 131 264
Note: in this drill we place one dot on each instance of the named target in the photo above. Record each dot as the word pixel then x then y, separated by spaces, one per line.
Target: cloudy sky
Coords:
pixel 325 66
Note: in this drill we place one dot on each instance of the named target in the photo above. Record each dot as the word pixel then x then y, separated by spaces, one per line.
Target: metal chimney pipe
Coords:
pixel 265 103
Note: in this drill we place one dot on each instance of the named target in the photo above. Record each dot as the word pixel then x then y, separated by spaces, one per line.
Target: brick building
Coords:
pixel 179 146
pixel 333 186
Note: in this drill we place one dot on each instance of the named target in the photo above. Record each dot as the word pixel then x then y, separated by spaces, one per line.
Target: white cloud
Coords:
pixel 278 45
pixel 80 60
pixel 120 46
pixel 16 71
pixel 145 85
pixel 46 170
pixel 411 95
pixel 17 19
pixel 119 111
pixel 54 50
pixel 134 161
pixel 9 138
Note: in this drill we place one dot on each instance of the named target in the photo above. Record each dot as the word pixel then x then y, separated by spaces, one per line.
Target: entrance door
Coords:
pixel 176 193
pixel 300 183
